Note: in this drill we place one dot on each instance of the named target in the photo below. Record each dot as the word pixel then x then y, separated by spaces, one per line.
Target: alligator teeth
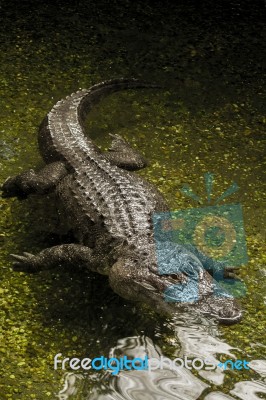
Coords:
pixel 146 285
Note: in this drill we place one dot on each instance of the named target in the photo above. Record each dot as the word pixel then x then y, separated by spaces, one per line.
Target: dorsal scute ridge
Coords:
pixel 121 195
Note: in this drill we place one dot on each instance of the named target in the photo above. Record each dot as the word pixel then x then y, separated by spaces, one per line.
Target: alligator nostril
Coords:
pixel 229 313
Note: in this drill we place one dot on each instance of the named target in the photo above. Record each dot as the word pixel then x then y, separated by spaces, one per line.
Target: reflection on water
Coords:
pixel 159 385
pixel 149 385
pixel 201 340
pixel 249 390
pixel 71 383
pixel 258 366
pixel 197 339
pixel 218 396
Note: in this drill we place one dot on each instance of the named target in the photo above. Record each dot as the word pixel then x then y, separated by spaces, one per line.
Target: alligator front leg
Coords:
pixel 215 268
pixel 30 181
pixel 57 256
pixel 123 155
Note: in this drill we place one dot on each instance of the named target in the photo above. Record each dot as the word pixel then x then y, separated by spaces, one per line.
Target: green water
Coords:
pixel 208 117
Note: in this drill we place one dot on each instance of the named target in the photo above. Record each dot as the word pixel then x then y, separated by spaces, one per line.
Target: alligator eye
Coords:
pixel 175 276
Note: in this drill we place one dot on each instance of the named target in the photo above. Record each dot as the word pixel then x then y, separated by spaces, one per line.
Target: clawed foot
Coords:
pixel 9 188
pixel 17 186
pixel 231 273
pixel 117 142
pixel 116 136
pixel 226 273
pixel 25 262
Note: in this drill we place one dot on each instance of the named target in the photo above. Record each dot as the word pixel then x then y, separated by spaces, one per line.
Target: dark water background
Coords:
pixel 210 116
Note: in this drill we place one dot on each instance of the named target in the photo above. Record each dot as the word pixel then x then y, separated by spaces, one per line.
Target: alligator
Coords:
pixel 110 210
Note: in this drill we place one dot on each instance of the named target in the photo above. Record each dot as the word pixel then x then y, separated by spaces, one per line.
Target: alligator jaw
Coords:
pixel 224 309
pixel 147 286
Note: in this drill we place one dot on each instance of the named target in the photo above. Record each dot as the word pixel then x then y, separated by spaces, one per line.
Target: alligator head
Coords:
pixel 182 283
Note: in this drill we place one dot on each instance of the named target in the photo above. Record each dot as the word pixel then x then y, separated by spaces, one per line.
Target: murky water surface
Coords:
pixel 208 117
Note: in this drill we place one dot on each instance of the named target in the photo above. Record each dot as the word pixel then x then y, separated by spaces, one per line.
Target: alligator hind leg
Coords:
pixel 123 155
pixel 56 256
pixel 30 181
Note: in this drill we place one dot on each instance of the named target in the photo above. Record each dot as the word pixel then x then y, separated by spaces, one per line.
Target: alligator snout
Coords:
pixel 230 315
pixel 224 309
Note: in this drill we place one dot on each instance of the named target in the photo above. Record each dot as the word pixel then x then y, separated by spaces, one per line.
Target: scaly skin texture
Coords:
pixel 110 208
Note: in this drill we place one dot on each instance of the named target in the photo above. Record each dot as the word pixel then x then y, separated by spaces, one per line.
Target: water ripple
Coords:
pixel 154 385
pixel 259 366
pixel 197 338
pixel 248 390
pixel 218 396
pixel 149 385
